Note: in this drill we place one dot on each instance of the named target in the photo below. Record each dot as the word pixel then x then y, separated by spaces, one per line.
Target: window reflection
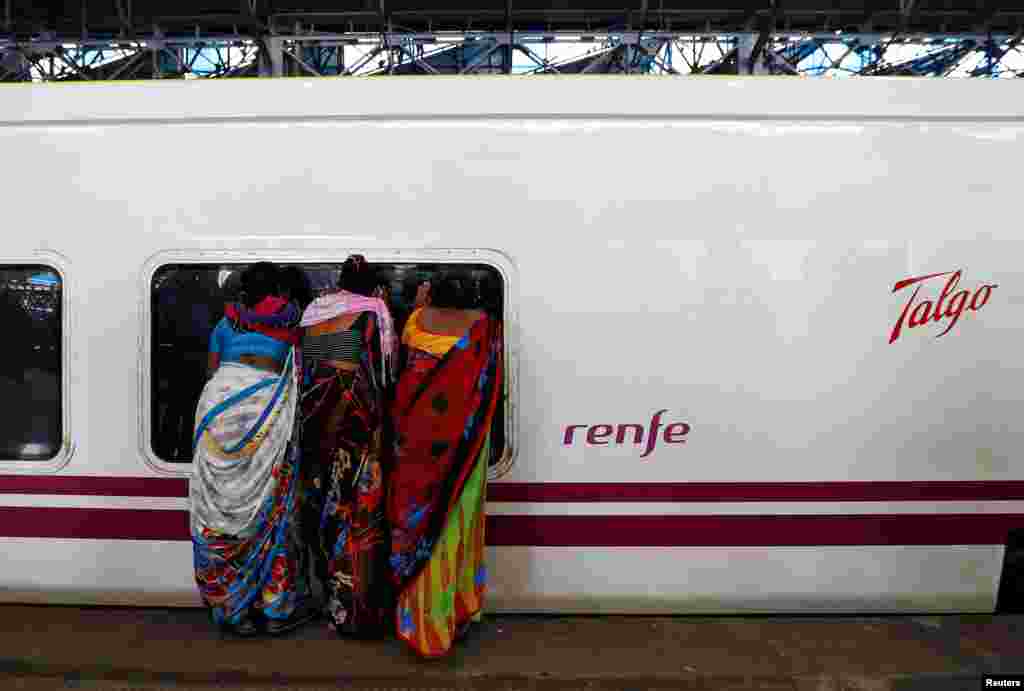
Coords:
pixel 30 369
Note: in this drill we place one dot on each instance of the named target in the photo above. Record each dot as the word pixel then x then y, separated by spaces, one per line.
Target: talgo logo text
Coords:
pixel 948 308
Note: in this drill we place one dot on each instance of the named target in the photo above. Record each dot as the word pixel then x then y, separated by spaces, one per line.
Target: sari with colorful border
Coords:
pixel 343 432
pixel 249 555
pixel 442 414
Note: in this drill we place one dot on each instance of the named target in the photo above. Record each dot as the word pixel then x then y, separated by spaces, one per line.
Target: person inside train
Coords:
pixel 250 558
pixel 409 293
pixel 383 276
pixel 295 286
pixel 187 311
pixel 349 347
pixel 489 291
pixel 445 401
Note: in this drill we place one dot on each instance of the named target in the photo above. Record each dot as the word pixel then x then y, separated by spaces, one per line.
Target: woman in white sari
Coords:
pixel 250 559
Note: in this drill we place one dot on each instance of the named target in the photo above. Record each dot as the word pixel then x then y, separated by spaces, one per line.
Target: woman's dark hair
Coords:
pixel 357 276
pixel 295 284
pixel 259 281
pixel 453 289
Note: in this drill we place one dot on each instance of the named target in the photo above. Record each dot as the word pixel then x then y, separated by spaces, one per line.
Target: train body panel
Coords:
pixel 762 336
pixel 612 580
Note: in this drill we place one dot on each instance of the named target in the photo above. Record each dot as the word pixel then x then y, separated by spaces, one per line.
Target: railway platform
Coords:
pixel 122 648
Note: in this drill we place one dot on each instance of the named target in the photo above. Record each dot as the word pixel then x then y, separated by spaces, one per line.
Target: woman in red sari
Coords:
pixel 445 403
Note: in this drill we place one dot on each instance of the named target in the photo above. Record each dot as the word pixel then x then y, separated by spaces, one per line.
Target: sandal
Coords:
pixel 245 627
pixel 462 632
pixel 276 627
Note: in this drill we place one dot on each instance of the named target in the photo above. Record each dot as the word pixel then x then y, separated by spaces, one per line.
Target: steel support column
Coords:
pixel 14 67
pixel 272 57
pixel 745 58
pixel 630 40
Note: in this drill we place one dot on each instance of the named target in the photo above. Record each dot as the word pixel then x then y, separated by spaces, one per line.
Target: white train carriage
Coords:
pixel 764 336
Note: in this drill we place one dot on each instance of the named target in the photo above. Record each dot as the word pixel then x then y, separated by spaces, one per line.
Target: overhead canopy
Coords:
pixel 75 19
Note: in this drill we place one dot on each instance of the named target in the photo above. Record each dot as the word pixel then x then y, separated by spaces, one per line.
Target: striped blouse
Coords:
pixel 346 346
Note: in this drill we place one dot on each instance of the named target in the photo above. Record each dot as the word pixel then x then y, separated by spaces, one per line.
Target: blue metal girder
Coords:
pixel 938 63
pixel 447 60
pixel 795 53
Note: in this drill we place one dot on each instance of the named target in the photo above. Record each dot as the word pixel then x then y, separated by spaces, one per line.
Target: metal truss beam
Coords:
pixel 995 54
pixel 71 21
pixel 776 52
pixel 526 37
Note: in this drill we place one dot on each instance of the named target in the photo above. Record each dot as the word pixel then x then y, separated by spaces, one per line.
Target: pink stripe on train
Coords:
pixel 578 531
pixel 586 491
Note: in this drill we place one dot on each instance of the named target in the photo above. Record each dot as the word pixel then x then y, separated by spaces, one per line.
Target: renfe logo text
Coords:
pixel 927 311
pixel 602 435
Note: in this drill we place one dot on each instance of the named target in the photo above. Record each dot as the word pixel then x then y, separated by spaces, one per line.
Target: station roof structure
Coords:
pixel 58 40
pixel 75 19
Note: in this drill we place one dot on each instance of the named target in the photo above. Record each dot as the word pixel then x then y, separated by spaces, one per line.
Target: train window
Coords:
pixel 31 428
pixel 187 301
